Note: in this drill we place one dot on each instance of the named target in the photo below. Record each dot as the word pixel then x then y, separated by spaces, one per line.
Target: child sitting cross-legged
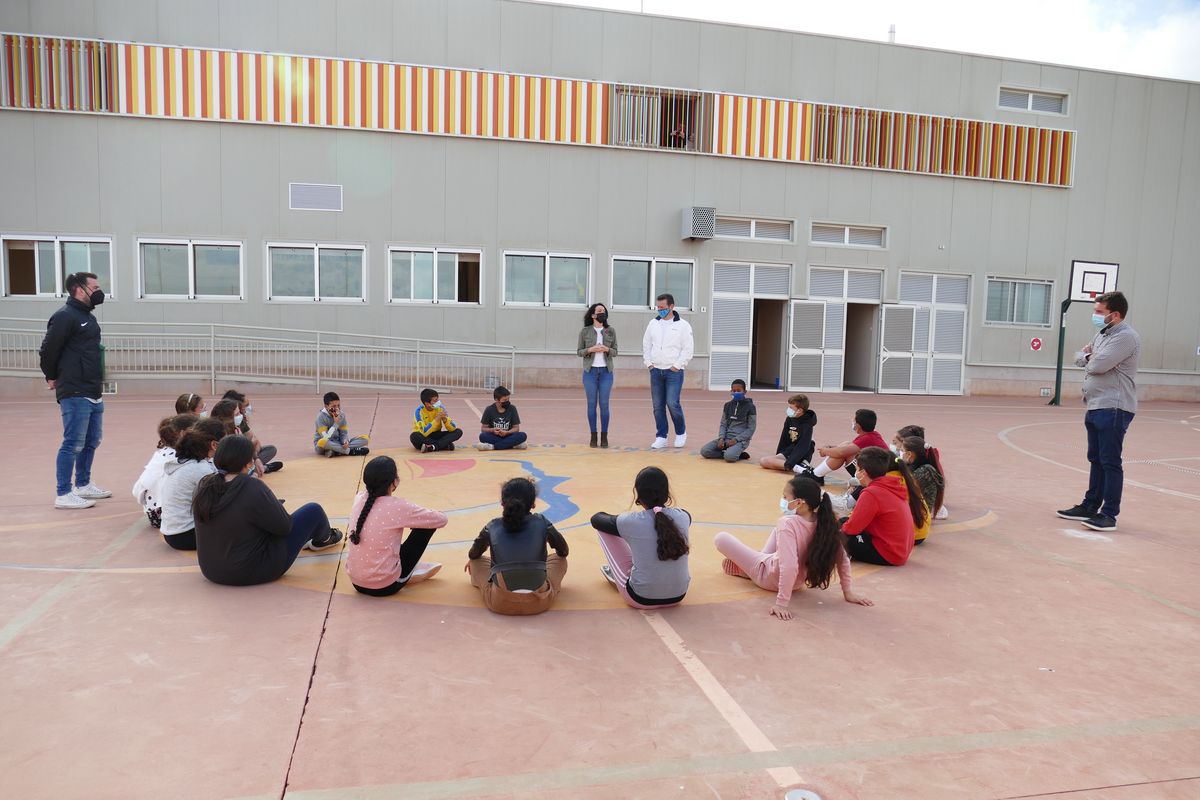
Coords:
pixel 332 437
pixel 433 429
pixel 795 446
pixel 146 490
pixel 803 549
pixel 381 560
pixel 882 527
pixel 739 418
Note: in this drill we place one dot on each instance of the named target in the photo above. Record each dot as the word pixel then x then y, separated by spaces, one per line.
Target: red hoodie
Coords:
pixel 883 512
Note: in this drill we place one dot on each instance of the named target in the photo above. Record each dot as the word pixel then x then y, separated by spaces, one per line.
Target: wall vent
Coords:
pixel 699 222
pixel 314 197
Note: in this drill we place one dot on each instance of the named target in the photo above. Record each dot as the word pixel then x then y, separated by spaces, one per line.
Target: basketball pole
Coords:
pixel 1062 340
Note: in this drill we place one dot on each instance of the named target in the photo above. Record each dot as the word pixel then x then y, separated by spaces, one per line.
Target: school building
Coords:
pixel 829 213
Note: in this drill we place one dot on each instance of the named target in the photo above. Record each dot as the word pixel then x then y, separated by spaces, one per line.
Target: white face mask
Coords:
pixel 249 409
pixel 237 419
pixel 785 505
pixel 791 412
pixel 895 450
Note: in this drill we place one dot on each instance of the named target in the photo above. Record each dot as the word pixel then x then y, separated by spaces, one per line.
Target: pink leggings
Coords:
pixel 620 559
pixel 750 561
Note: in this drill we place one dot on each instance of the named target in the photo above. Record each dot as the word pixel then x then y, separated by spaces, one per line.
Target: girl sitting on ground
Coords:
pixel 926 468
pixel 193 461
pixel 147 488
pixel 647 550
pixel 381 561
pixel 243 534
pixel 519 577
pixel 190 403
pixel 804 548
pixel 939 511
pixel 229 412
pixel 883 525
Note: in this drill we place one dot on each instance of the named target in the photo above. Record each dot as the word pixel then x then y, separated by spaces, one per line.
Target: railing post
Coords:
pixel 318 362
pixel 417 370
pixel 212 359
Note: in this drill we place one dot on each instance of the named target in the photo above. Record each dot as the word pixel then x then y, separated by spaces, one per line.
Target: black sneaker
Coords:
pixel 743 456
pixel 274 466
pixel 1079 513
pixel 808 473
pixel 335 537
pixel 450 446
pixel 1099 522
pixel 359 451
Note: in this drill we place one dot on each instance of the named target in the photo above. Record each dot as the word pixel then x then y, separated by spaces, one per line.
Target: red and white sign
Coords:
pixel 1035 344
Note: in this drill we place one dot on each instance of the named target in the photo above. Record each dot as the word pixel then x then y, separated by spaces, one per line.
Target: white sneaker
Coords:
pixel 680 439
pixel 853 482
pixel 660 443
pixel 72 500
pixel 485 446
pixel 521 446
pixel 92 492
pixel 942 513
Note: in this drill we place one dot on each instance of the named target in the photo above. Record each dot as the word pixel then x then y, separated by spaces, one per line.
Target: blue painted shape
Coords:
pixel 560 504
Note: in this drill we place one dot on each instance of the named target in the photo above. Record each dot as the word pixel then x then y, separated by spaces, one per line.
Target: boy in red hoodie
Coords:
pixel 880 529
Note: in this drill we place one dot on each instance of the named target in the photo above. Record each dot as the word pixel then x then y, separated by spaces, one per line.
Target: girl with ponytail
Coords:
pixel 804 548
pixel 147 489
pixel 647 550
pixel 243 534
pixel 519 577
pixel 381 560
pixel 926 469
pixel 193 461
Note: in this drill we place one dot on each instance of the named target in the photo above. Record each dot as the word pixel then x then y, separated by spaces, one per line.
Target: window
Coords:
pixel 773 230
pixel 826 234
pixel 1028 100
pixel 433 276
pixel 1018 302
pixel 669 119
pixel 190 269
pixel 637 281
pixel 39 266
pixel 316 272
pixel 546 279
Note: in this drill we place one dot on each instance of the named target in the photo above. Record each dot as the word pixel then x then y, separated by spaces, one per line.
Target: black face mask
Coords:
pixel 96 298
pixel 504 404
pixel 602 318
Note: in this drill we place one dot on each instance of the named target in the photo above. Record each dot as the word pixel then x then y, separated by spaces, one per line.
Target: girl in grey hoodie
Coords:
pixel 193 460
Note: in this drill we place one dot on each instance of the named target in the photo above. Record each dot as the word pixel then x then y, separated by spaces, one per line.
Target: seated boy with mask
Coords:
pixel 739 418
pixel 501 424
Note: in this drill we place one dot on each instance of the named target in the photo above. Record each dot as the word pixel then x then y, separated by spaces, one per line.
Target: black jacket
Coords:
pixel 796 442
pixel 70 352
pixel 246 541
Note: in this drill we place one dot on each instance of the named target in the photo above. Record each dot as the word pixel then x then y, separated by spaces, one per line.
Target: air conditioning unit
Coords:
pixel 699 222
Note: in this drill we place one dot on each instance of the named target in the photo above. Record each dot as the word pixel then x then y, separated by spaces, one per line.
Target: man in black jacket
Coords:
pixel 70 357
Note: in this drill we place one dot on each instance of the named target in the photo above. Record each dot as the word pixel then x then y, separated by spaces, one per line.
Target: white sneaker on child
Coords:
pixel 92 492
pixel 942 513
pixel 423 571
pixel 72 500
pixel 680 439
pixel 485 446
pixel 521 446
pixel 660 443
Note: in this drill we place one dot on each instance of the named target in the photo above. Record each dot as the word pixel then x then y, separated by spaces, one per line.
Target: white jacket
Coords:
pixel 667 343
pixel 145 490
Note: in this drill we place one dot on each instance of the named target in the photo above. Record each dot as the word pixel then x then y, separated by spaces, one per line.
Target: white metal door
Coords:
pixel 833 370
pixel 896 352
pixel 949 338
pixel 816 346
pixel 732 321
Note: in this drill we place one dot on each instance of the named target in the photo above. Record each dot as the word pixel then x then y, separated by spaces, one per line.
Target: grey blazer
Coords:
pixel 587 338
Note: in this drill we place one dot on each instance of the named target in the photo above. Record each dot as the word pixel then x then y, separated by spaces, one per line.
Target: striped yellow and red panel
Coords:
pixel 48 73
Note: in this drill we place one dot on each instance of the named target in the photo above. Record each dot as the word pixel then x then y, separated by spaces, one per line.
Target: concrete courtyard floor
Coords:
pixel 1017 655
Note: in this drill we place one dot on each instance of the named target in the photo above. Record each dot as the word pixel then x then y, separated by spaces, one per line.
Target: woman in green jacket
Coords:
pixel 597 347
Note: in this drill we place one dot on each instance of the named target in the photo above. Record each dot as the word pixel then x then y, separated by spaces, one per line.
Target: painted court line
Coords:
pixel 726 706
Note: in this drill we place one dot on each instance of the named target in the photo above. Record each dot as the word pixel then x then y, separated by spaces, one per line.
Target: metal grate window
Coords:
pixel 314 197
pixel 1030 100
pixel 825 233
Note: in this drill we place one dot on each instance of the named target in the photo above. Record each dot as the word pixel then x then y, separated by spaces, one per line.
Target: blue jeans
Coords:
pixel 665 386
pixel 1105 437
pixel 82 430
pixel 308 522
pixel 597 384
pixel 503 442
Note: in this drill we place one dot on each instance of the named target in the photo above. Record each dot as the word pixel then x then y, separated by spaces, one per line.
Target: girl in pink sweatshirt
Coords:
pixel 804 548
pixel 381 560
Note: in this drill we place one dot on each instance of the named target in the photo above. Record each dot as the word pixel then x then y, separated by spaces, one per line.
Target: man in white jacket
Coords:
pixel 666 350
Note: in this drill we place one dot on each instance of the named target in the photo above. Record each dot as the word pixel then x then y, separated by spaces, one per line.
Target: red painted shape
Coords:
pixel 442 467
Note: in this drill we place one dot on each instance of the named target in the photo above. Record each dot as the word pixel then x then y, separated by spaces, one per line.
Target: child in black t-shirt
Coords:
pixel 501 424
pixel 795 446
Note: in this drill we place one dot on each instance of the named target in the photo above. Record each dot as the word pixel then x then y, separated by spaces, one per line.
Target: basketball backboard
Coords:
pixel 1090 279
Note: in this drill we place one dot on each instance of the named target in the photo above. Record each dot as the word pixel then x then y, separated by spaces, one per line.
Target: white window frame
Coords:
pixel 545 255
pixel 753 237
pixel 110 291
pixel 654 290
pixel 191 260
pixel 1030 92
pixel 316 247
pixel 435 251
pixel 1020 325
pixel 845 243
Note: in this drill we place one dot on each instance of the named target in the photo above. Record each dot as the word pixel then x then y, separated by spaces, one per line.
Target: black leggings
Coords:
pixel 441 440
pixel 861 548
pixel 411 551
pixel 182 541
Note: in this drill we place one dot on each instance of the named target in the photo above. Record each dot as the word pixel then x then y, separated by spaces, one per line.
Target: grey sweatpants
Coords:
pixel 337 447
pixel 730 454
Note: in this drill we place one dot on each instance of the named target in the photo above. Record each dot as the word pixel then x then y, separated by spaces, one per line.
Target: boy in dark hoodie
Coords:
pixel 738 420
pixel 795 446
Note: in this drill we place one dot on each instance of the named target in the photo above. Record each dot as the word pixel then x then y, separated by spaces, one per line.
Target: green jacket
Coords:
pixel 587 338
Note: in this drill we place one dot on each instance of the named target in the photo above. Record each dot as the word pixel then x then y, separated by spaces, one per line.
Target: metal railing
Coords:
pixel 221 353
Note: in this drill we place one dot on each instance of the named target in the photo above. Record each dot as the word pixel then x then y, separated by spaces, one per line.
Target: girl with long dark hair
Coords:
pixel 597 346
pixel 647 550
pixel 381 560
pixel 148 487
pixel 243 534
pixel 520 576
pixel 926 467
pixel 193 462
pixel 804 548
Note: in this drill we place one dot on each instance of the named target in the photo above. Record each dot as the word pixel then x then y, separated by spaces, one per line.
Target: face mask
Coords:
pixel 438 404
pixel 96 297
pixel 504 404
pixel 1098 320
pixel 739 395
pixel 663 312
pixel 853 431
pixel 602 318
pixel 249 409
pixel 203 414
pixel 237 420
pixel 784 505
pixel 791 412
pixel 895 450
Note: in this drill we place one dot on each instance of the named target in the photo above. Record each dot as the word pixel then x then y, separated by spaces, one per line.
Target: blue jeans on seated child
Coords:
pixel 503 442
